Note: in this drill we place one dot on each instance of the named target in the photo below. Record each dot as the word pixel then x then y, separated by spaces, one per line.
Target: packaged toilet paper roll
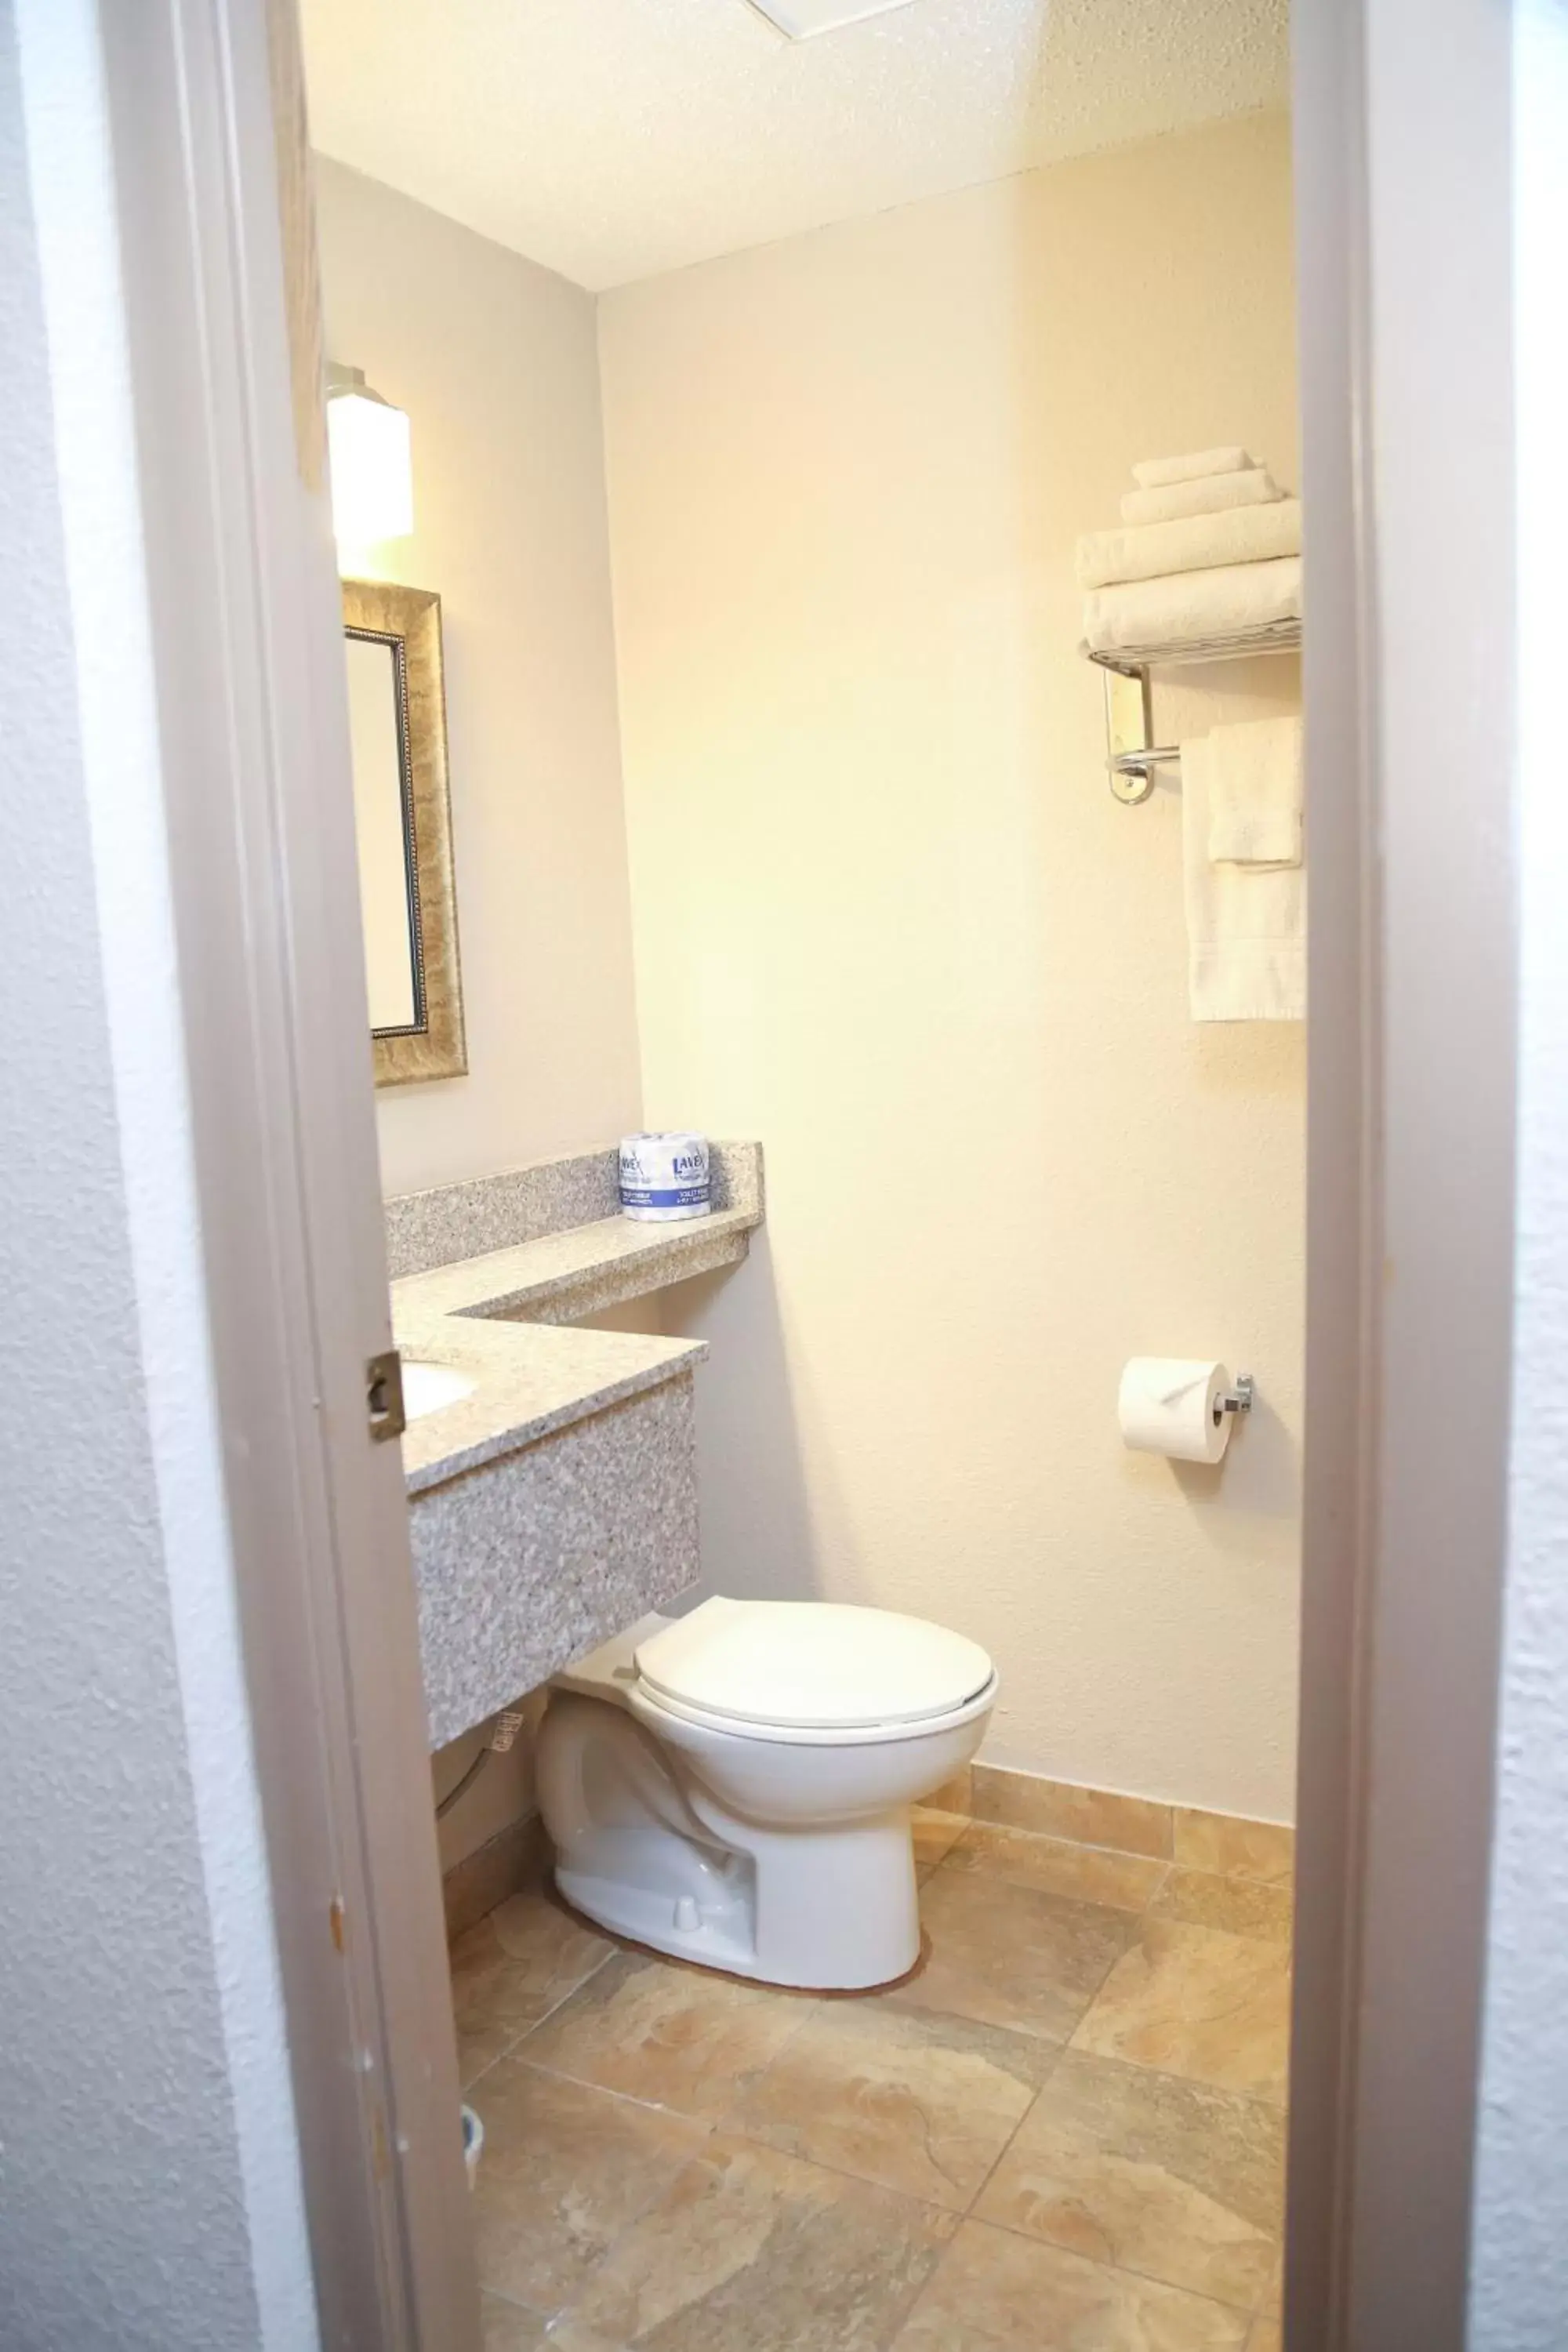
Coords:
pixel 1170 1404
pixel 665 1178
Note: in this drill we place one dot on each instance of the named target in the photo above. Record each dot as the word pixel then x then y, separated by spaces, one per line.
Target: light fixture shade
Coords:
pixel 373 473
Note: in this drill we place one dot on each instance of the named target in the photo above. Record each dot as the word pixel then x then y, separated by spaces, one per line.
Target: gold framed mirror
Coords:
pixel 397 723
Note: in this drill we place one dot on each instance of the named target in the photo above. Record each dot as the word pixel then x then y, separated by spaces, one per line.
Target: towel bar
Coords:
pixel 1137 768
pixel 1131 754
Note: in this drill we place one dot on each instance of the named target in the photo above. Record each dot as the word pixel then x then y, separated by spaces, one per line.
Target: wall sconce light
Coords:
pixel 372 473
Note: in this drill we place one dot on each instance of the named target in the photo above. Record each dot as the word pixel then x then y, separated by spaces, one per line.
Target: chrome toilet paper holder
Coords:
pixel 1235 1400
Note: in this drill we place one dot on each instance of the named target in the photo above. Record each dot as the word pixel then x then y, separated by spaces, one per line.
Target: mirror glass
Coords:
pixel 384 818
pixel 398 734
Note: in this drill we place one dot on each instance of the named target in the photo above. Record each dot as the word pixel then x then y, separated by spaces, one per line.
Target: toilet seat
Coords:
pixel 655 1711
pixel 809 1672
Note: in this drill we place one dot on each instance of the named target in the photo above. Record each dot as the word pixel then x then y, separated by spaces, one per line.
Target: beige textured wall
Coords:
pixel 495 361
pixel 888 918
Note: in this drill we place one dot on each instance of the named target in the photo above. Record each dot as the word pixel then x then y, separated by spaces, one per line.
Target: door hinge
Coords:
pixel 384 1395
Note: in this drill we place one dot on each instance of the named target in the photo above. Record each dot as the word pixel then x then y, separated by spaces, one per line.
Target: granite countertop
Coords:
pixel 501 1317
pixel 530 1380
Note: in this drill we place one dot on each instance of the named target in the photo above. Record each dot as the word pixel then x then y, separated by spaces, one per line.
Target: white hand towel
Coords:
pixel 1196 544
pixel 1210 494
pixel 1246 925
pixel 1154 473
pixel 1185 606
pixel 1255 794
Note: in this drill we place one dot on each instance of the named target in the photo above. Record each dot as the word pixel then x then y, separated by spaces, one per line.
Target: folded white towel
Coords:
pixel 1153 473
pixel 1196 544
pixel 1210 494
pixel 1255 794
pixel 1185 606
pixel 1246 925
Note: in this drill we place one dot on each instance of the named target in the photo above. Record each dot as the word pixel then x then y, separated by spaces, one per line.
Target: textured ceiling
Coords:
pixel 614 138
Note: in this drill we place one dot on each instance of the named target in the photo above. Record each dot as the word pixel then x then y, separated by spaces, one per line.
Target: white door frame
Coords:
pixel 1405 210
pixel 218 259
pixel 1403 161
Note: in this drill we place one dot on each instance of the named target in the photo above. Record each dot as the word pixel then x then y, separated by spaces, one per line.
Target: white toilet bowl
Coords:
pixel 734 1787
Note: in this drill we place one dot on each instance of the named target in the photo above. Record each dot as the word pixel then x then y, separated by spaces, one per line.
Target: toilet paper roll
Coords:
pixel 665 1178
pixel 1170 1404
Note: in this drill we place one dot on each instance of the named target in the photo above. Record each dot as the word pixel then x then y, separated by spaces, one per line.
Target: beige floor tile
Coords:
pixel 1023 1800
pixel 1175 2181
pixel 1240 1906
pixel 1088 1874
pixel 992 2292
pixel 954 1796
pixel 565 2170
pixel 676 2037
pixel 508 2327
pixel 752 2251
pixel 921 2104
pixel 1236 1848
pixel 935 1833
pixel 512 1970
pixel 1193 2003
pixel 1266 2337
pixel 1005 1955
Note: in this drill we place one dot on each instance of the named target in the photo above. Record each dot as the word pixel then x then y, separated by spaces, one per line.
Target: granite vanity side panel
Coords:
pixel 533 1560
pixel 522 1204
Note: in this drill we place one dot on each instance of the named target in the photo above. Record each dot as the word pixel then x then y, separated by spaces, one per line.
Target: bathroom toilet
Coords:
pixel 734 1787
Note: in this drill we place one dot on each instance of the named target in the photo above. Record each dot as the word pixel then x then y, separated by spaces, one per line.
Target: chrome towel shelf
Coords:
pixel 1131 753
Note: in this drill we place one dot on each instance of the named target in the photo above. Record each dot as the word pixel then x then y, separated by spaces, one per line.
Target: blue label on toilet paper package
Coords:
pixel 665 1173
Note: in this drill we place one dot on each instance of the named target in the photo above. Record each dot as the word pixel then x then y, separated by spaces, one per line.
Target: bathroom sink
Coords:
pixel 427 1387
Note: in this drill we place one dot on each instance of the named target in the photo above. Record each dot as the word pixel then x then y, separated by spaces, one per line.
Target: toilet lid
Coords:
pixel 811 1664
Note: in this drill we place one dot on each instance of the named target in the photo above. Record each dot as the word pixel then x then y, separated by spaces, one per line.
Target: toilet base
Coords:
pixel 706 1959
pixel 837 1913
pixel 644 1850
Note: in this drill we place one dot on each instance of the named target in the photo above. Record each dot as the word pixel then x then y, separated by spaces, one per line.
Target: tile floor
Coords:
pixel 1064 2135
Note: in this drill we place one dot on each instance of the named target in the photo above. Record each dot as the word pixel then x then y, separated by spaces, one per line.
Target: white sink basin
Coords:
pixel 427 1387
